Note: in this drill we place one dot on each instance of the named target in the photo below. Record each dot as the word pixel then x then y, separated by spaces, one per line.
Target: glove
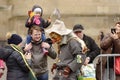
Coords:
pixel 49 41
pixel 67 71
pixel 54 66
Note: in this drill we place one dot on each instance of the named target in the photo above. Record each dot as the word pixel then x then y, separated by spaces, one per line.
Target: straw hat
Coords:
pixel 59 28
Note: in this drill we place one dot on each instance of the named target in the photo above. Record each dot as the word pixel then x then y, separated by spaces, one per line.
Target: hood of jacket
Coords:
pixel 66 38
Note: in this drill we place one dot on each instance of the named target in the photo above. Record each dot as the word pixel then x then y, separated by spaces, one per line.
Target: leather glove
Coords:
pixel 67 71
pixel 54 66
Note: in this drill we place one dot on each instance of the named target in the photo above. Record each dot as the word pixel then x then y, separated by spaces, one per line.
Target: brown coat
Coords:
pixel 103 63
pixel 108 46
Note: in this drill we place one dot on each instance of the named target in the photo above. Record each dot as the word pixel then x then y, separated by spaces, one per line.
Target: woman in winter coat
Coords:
pixel 16 66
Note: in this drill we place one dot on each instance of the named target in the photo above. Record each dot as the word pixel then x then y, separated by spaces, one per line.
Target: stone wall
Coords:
pixel 94 15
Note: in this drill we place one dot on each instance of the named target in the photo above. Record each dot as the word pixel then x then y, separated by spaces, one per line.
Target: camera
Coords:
pixel 113 30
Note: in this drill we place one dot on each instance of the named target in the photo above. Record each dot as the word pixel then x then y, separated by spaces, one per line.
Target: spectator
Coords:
pixel 111 42
pixel 93 49
pixel 17 69
pixel 38 56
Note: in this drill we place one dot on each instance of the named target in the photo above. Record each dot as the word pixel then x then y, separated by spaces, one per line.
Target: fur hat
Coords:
pixel 59 28
pixel 78 27
pixel 13 39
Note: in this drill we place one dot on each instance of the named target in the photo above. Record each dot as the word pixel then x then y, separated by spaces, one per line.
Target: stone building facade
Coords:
pixel 94 15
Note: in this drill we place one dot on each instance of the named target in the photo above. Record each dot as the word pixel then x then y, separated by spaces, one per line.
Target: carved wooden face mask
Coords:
pixel 55 37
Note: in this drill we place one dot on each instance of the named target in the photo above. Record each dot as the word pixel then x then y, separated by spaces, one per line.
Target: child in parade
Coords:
pixel 35 18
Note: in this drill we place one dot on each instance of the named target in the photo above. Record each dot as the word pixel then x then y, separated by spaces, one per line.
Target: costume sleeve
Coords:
pixel 78 56
pixel 52 53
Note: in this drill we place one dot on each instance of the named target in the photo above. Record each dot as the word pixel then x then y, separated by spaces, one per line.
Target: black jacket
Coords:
pixel 16 68
pixel 42 25
pixel 94 50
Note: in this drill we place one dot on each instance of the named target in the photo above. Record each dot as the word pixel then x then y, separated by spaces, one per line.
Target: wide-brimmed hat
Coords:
pixel 78 27
pixel 59 28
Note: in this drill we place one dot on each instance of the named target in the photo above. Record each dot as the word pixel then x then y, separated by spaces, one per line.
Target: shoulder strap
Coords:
pixel 24 61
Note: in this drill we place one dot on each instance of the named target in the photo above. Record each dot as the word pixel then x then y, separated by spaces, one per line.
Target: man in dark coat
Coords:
pixel 93 49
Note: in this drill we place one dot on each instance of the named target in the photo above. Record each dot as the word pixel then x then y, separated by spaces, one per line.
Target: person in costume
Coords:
pixel 70 52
